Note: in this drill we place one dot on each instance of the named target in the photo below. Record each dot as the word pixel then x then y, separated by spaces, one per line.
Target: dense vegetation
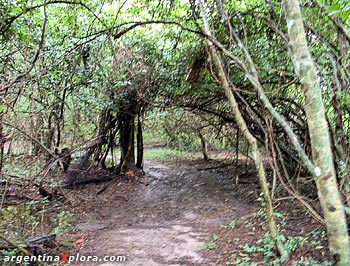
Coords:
pixel 96 80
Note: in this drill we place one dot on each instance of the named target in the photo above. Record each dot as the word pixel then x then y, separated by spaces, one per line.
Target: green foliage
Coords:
pixel 26 169
pixel 21 222
pixel 241 259
pixel 9 252
pixel 63 224
pixel 231 226
pixel 69 88
pixel 340 8
pixel 163 153
pixel 212 244
pixel 179 130
pixel 265 246
pixel 304 261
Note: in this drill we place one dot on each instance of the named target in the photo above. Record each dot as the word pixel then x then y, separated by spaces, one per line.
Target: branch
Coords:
pixel 10 20
pixel 166 22
pixel 335 21
pixel 36 57
pixel 32 139
pixel 252 75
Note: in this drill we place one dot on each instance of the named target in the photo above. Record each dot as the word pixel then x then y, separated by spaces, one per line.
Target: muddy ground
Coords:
pixel 181 212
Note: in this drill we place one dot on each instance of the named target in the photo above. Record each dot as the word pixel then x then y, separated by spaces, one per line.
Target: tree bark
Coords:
pixel 341 144
pixel 203 146
pixel 326 182
pixel 2 142
pixel 139 161
pixel 127 142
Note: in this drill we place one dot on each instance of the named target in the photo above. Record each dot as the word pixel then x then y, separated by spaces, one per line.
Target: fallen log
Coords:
pixel 72 184
pixel 45 240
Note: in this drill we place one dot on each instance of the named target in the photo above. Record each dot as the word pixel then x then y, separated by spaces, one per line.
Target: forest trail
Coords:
pixel 167 220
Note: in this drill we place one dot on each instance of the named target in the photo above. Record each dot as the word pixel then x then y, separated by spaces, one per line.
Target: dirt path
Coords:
pixel 168 219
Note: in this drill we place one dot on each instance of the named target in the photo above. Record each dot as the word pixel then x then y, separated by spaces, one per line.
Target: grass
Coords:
pixel 162 153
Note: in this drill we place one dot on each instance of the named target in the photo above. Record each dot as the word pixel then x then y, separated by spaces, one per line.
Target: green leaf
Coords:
pixel 345 15
pixel 334 9
pixel 2 108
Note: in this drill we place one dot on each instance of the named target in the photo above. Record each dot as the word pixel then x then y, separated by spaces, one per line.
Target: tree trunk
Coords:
pixel 326 182
pixel 341 148
pixel 139 161
pixel 340 139
pixel 203 146
pixel 127 145
pixel 60 118
pixel 105 126
pixel 49 142
pixel 2 142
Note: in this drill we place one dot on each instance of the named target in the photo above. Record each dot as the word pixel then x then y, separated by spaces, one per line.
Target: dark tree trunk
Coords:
pixel 50 133
pixel 139 162
pixel 60 117
pixel 37 123
pixel 105 124
pixel 127 145
pixel 1 143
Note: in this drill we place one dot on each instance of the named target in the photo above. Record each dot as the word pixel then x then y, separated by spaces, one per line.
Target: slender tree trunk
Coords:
pixel 254 146
pixel 341 149
pixel 203 146
pixel 2 142
pixel 225 82
pixel 340 142
pixel 326 182
pixel 139 161
pixel 60 118
pixel 104 125
pixel 50 133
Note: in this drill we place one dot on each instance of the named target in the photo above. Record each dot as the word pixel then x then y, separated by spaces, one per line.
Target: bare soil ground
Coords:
pixel 182 212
